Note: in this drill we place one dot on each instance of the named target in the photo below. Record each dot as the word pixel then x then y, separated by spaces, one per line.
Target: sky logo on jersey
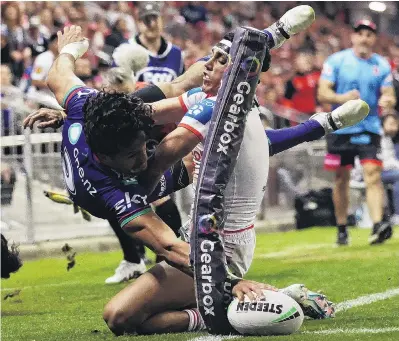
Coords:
pixel 74 132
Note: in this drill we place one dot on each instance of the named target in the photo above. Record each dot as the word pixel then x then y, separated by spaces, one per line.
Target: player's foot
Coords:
pixel 317 306
pixel 292 22
pixel 342 238
pixel 126 271
pixel 298 292
pixel 314 305
pixel 348 114
pixel 381 232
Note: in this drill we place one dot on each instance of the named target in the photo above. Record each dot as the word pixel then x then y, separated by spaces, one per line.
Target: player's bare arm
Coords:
pixel 387 99
pixel 174 147
pixel 159 237
pixel 326 93
pixel 71 46
pixel 192 78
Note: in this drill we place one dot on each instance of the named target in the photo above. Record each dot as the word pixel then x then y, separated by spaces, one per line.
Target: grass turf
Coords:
pixel 56 305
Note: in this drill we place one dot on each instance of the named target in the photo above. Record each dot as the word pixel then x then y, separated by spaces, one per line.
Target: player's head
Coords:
pixel 150 22
pixel 364 37
pixel 10 261
pixel 220 60
pixel 390 124
pixel 215 67
pixel 116 127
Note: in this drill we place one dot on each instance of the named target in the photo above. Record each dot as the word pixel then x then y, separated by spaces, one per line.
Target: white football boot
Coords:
pixel 348 114
pixel 292 22
pixel 126 271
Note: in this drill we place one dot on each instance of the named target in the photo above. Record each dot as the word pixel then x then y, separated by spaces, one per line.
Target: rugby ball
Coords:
pixel 276 314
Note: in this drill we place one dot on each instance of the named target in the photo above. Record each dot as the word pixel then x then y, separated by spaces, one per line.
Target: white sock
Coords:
pixel 196 322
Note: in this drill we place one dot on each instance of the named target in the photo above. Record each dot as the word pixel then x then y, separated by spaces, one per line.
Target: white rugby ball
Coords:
pixel 277 314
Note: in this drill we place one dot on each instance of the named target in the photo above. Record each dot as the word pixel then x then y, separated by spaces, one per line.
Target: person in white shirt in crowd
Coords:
pixel 42 65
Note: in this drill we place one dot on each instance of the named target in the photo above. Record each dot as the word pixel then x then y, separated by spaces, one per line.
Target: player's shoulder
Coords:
pixel 338 57
pixel 202 111
pixel 381 61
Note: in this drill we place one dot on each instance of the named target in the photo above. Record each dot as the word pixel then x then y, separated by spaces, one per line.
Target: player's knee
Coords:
pixel 372 175
pixel 342 178
pixel 117 320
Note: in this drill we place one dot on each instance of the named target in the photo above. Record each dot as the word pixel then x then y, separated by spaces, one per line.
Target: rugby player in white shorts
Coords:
pixel 163 299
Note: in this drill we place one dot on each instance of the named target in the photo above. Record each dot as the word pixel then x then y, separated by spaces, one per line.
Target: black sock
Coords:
pixel 133 250
pixel 342 228
pixel 169 213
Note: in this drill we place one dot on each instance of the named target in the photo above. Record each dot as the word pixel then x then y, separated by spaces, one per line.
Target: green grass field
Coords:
pixel 56 305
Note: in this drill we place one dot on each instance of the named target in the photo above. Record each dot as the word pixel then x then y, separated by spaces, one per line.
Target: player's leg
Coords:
pixel 292 22
pixel 154 303
pixel 317 126
pixel 372 168
pixel 132 264
pixel 243 197
pixel 340 159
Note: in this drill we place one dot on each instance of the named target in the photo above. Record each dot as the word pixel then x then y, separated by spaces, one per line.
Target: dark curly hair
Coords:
pixel 112 121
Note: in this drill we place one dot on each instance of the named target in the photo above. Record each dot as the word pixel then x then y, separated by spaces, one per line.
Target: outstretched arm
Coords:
pixel 61 77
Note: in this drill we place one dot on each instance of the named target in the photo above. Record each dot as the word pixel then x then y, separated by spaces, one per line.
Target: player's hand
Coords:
pixel 72 34
pixel 386 102
pixel 48 118
pixel 252 289
pixel 353 94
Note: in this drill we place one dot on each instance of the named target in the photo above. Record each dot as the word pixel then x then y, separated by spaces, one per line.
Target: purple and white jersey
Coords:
pixel 99 189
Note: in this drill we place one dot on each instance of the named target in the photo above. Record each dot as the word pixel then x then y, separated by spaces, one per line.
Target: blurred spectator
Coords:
pixel 301 89
pixel 117 35
pixel 42 65
pixel 36 40
pixel 166 60
pixel 194 13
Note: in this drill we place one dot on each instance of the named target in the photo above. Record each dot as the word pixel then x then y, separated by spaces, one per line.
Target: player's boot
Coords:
pixel 348 114
pixel 314 305
pixel 342 238
pixel 292 22
pixel 381 232
pixel 126 271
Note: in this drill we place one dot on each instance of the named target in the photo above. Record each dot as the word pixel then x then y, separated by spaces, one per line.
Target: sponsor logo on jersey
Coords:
pixel 74 132
pixel 243 88
pixel 260 306
pixel 162 183
pixel 196 110
pixel 125 203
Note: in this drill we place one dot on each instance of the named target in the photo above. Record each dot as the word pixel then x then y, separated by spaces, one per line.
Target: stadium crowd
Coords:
pixel 27 29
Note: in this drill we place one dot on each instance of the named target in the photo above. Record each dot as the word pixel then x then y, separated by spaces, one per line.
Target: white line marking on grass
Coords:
pixel 292 251
pixel 367 299
pixel 215 337
pixel 352 331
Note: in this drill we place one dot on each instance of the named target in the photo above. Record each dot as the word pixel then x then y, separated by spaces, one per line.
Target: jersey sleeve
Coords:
pixel 126 203
pixel 75 99
pixel 387 80
pixel 191 97
pixel 198 118
pixel 330 69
